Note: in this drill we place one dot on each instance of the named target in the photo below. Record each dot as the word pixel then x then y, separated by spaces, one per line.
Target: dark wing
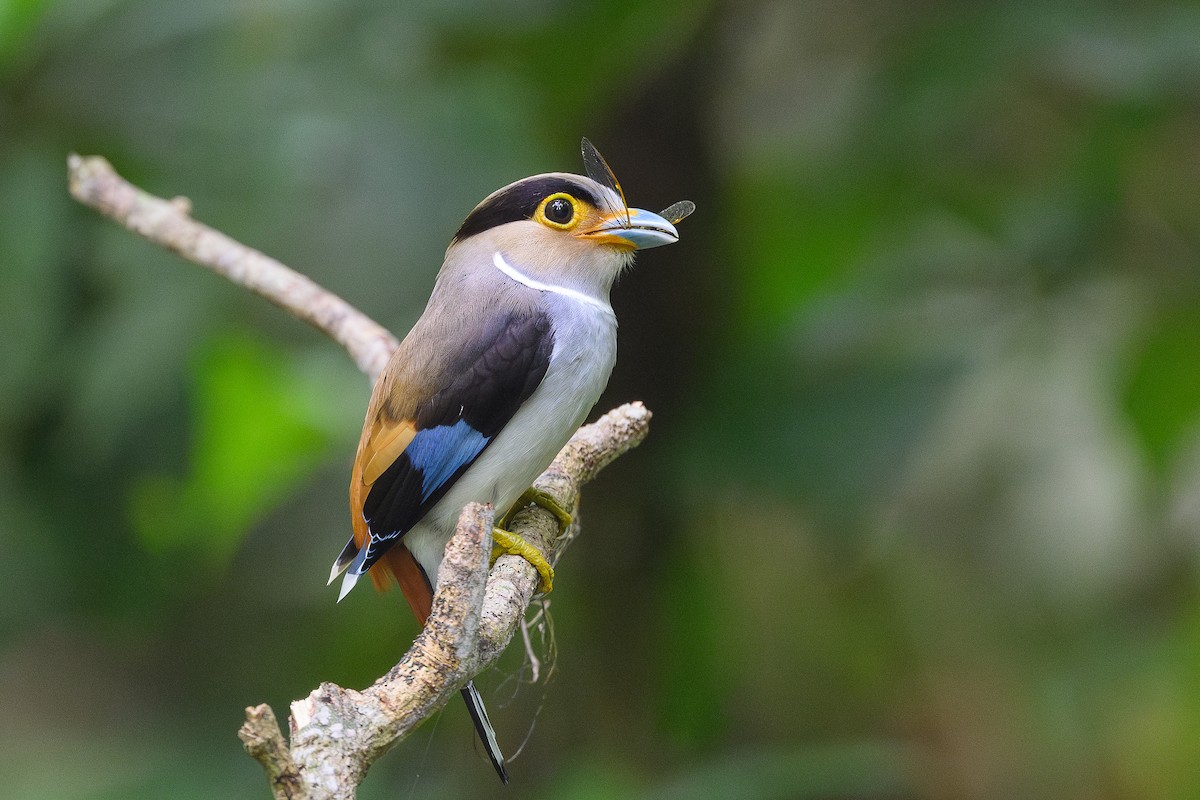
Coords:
pixel 406 465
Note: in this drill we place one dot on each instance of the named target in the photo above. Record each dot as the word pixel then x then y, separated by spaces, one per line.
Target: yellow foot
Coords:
pixel 543 499
pixel 507 543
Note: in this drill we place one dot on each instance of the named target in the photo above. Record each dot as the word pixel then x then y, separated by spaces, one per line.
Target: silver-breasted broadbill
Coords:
pixel 511 353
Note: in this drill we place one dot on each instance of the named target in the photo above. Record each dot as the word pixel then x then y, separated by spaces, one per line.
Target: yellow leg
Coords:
pixel 508 543
pixel 543 499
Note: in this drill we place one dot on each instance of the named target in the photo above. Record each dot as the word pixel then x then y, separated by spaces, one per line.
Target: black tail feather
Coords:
pixel 487 734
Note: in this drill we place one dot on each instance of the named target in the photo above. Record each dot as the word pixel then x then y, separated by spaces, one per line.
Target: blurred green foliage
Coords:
pixel 247 455
pixel 920 512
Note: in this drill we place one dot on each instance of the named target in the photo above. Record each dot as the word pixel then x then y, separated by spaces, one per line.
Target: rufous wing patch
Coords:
pixel 381 445
pixel 384 446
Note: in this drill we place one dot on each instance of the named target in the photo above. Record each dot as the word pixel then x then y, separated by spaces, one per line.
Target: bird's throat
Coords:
pixel 574 294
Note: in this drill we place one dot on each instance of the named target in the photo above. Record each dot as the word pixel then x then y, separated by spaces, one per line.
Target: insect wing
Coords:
pixel 599 171
pixel 677 212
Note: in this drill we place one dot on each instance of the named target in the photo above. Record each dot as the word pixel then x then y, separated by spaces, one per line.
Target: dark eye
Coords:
pixel 559 210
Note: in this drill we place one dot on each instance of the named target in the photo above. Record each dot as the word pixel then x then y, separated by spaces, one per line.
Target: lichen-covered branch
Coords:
pixel 335 734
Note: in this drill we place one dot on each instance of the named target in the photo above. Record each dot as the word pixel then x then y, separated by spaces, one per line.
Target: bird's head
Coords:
pixel 567 229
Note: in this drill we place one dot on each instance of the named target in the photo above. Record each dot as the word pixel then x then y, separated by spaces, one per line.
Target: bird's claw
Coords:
pixel 539 498
pixel 508 543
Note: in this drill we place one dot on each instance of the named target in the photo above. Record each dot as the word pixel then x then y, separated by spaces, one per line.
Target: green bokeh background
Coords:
pixel 919 516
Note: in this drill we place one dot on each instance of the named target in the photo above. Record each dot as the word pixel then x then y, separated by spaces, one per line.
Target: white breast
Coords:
pixel 585 349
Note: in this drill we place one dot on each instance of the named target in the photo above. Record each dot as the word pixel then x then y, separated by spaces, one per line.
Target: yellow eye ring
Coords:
pixel 560 211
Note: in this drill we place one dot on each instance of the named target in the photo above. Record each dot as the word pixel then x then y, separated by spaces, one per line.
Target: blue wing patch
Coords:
pixel 439 452
pixel 496 371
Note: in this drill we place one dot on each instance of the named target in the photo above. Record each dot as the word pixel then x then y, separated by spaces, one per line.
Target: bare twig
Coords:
pixel 95 183
pixel 531 656
pixel 336 733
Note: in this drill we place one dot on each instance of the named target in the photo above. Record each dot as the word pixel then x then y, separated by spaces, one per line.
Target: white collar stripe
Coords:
pixel 520 277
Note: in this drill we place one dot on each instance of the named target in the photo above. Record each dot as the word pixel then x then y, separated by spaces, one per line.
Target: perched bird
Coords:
pixel 511 353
